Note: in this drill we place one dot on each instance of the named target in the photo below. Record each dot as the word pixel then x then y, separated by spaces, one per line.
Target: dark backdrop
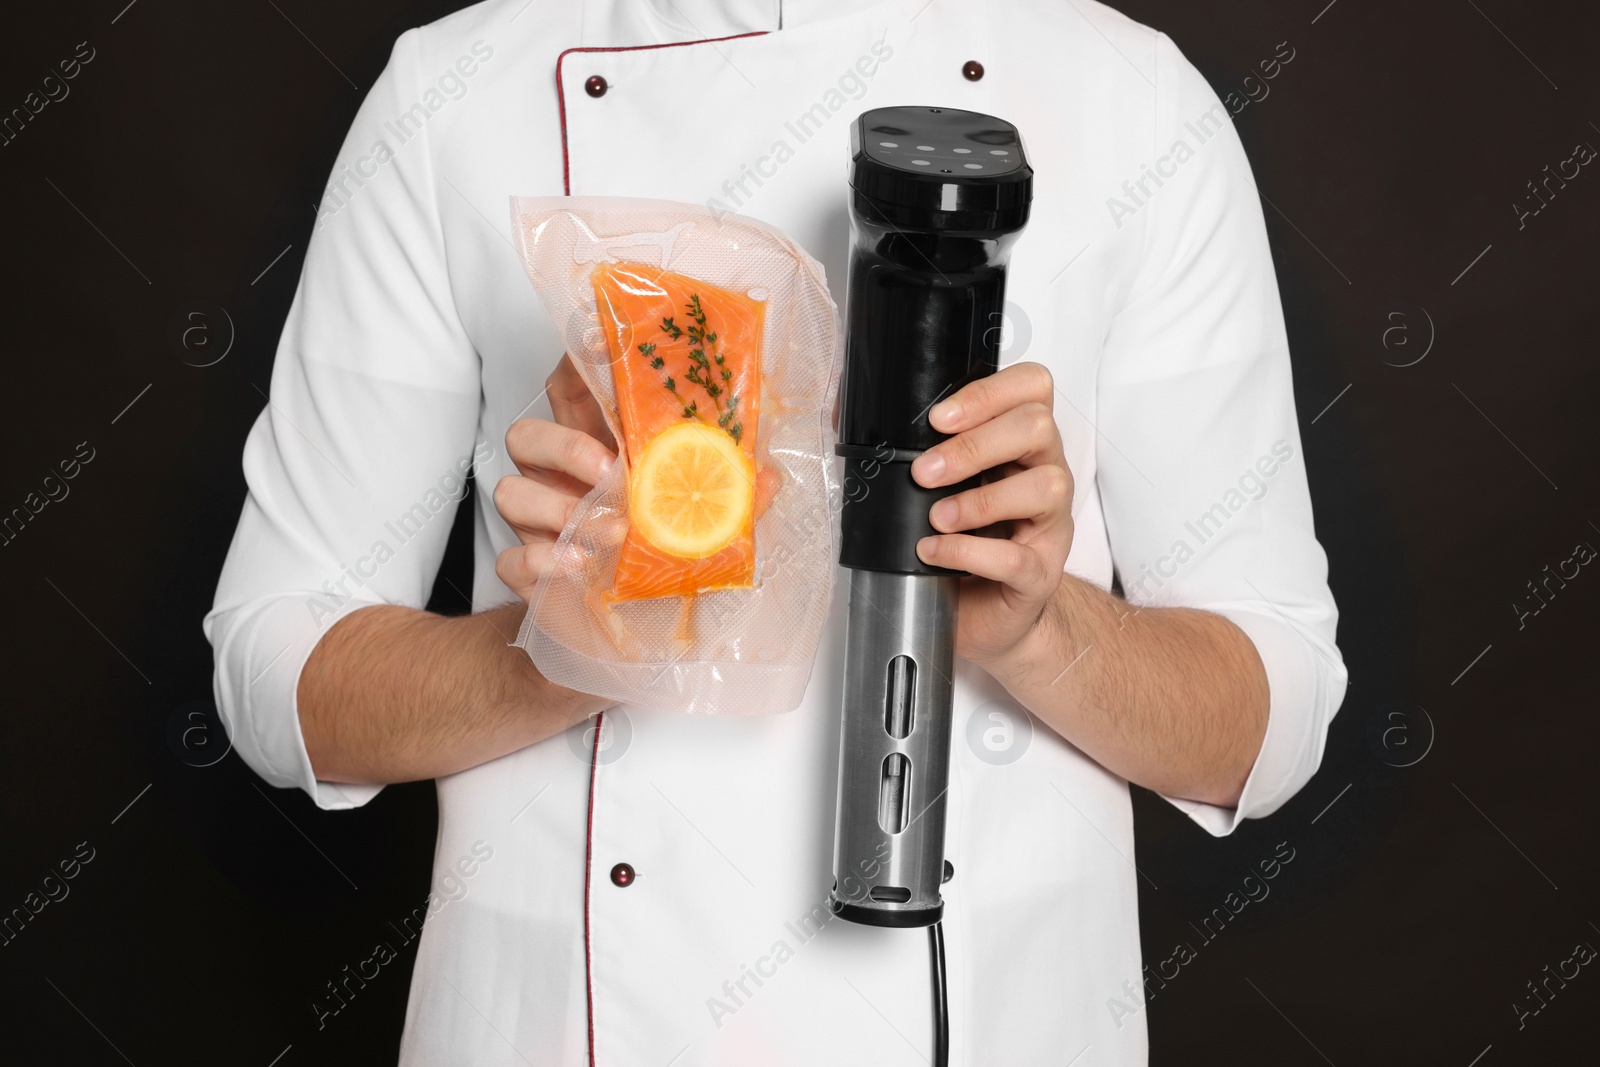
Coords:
pixel 1444 368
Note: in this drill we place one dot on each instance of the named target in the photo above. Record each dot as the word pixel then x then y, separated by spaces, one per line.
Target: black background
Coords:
pixel 1443 856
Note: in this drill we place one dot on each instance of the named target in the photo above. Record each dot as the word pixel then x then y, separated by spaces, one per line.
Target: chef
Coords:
pixel 637 888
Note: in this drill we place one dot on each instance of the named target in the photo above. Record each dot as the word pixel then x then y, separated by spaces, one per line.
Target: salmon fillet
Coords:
pixel 681 350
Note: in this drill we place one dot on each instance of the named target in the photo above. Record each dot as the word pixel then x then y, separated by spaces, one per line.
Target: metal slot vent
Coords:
pixel 899 704
pixel 894 793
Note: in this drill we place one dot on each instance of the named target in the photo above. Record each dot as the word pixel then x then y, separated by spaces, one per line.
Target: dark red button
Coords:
pixel 622 875
pixel 971 70
pixel 596 85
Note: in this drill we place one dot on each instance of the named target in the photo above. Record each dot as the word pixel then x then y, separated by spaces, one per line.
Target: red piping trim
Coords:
pixel 588 862
pixel 594 759
pixel 561 96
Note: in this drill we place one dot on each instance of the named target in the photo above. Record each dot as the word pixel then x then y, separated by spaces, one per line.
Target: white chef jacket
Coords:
pixel 1143 281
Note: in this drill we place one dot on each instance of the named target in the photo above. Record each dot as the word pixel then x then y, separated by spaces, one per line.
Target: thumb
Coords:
pixel 573 405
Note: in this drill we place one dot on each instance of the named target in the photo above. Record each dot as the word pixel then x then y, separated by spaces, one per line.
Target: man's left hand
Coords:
pixel 1003 428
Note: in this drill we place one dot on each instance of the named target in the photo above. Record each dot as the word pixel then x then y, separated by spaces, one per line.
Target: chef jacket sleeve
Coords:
pixel 355 465
pixel 1201 475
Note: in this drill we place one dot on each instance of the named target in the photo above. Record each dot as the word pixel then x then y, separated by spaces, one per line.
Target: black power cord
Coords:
pixel 941 997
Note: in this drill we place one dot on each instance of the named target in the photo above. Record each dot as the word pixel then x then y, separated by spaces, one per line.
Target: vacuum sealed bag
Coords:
pixel 695 577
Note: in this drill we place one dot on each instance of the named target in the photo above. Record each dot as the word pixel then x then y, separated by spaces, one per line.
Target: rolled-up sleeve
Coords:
pixel 1205 484
pixel 358 460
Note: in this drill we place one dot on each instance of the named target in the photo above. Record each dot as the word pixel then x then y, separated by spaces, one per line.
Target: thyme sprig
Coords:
pixel 690 410
pixel 708 368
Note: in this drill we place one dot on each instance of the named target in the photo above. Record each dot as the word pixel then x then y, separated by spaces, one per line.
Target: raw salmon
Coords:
pixel 682 351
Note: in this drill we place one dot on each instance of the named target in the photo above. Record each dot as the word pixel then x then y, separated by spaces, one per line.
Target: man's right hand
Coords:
pixel 558 463
pixel 393 694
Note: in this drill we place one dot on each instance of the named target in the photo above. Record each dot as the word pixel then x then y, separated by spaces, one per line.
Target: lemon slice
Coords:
pixel 692 491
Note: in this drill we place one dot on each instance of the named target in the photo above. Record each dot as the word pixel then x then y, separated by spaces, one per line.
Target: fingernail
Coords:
pixel 946 411
pixel 930 465
pixel 926 548
pixel 943 514
pixel 606 465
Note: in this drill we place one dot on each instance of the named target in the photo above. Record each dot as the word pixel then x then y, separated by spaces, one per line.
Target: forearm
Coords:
pixel 393 694
pixel 1173 699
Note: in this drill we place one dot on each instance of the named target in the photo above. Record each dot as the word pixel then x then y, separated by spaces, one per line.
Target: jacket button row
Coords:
pixel 622 875
pixel 595 86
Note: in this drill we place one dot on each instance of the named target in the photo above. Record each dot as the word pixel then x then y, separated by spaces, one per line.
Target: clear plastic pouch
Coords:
pixel 695 577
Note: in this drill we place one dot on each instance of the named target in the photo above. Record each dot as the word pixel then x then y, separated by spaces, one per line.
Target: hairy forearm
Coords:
pixel 1172 699
pixel 393 694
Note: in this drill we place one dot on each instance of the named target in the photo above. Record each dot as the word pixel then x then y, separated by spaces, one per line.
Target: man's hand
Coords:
pixel 559 462
pixel 393 694
pixel 1003 425
pixel 1171 698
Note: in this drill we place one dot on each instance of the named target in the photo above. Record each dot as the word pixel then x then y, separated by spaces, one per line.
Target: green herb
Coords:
pixel 648 351
pixel 708 368
pixel 726 419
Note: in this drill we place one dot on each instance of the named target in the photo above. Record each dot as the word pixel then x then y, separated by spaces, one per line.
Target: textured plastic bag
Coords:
pixel 693 392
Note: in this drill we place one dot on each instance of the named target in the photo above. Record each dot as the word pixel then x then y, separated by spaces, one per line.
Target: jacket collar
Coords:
pixel 702 19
